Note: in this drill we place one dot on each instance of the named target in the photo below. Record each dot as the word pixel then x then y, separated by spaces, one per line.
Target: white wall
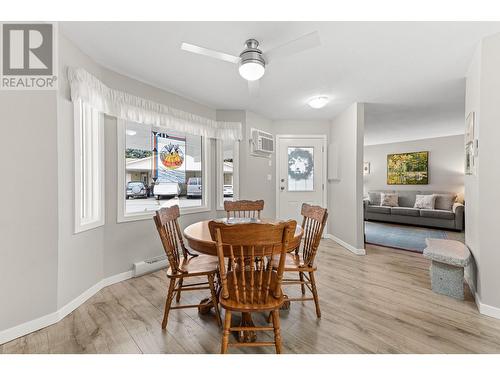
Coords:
pixel 483 96
pixel 345 195
pixel 86 258
pixel 302 127
pixel 446 164
pixel 80 256
pixel 28 222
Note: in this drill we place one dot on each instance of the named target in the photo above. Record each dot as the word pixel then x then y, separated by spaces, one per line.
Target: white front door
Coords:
pixel 301 174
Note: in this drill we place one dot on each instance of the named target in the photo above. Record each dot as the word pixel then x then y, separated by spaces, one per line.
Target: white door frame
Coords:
pixel 300 136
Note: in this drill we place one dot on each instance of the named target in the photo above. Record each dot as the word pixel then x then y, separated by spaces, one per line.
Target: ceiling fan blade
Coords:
pixel 210 53
pixel 254 87
pixel 300 44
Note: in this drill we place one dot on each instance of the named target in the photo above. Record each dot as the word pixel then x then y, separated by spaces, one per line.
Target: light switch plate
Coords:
pixel 269 177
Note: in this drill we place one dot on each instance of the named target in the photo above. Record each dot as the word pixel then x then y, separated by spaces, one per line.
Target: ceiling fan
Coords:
pixel 252 61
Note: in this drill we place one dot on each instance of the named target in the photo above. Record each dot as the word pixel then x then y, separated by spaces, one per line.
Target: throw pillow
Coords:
pixel 444 201
pixel 374 198
pixel 425 201
pixel 389 199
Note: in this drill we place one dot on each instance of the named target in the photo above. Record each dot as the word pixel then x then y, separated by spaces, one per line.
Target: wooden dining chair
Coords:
pixel 183 264
pixel 244 209
pixel 301 260
pixel 251 282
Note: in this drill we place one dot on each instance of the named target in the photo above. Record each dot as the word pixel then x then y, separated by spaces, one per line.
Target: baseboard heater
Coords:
pixel 150 265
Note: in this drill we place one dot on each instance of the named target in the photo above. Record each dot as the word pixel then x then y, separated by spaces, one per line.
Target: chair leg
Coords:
pixel 302 286
pixel 168 302
pixel 277 332
pixel 215 302
pixel 315 293
pixel 225 334
pixel 270 317
pixel 178 296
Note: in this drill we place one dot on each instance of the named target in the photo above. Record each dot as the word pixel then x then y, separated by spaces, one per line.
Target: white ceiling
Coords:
pixel 411 74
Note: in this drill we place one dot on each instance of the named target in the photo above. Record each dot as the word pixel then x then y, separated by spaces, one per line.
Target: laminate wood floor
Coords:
pixel 378 303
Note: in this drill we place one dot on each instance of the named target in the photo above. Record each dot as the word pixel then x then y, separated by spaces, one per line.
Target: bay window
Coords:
pixel 159 168
pixel 227 171
pixel 89 167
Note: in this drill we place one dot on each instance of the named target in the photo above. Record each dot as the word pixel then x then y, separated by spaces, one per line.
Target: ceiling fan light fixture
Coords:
pixel 252 65
pixel 252 70
pixel 318 102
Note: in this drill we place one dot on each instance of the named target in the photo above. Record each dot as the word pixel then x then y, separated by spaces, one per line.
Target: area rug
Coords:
pixel 402 236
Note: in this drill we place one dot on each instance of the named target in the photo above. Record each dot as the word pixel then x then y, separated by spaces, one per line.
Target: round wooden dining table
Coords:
pixel 199 239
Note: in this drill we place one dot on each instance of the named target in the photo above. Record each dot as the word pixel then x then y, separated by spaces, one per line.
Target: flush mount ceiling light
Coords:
pixel 318 102
pixel 131 132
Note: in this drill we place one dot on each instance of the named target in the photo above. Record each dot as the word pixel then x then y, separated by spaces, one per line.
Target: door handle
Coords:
pixel 282 188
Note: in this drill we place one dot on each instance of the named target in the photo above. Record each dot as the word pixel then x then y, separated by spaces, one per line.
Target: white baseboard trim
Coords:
pixel 485 309
pixel 49 319
pixel 345 245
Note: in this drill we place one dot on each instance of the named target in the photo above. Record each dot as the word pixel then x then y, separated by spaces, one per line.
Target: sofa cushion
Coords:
pixel 374 197
pixel 389 199
pixel 407 198
pixel 437 214
pixel 444 201
pixel 425 201
pixel 405 211
pixel 378 209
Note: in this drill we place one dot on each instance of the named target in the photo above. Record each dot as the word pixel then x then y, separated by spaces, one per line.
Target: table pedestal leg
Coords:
pixel 247 336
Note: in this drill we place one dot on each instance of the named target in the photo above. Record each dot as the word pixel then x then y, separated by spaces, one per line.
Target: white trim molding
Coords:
pixel 52 318
pixel 485 309
pixel 345 245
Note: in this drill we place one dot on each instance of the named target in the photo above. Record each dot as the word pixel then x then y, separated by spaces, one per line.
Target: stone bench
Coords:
pixel 449 258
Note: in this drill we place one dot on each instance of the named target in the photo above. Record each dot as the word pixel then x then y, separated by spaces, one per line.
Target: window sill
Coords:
pixel 149 215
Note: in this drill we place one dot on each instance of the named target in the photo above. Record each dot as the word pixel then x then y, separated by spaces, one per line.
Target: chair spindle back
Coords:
pixel 171 236
pixel 313 223
pixel 244 209
pixel 249 248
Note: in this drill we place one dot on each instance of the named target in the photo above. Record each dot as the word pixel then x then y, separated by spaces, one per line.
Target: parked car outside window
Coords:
pixel 228 190
pixel 166 189
pixel 136 189
pixel 194 189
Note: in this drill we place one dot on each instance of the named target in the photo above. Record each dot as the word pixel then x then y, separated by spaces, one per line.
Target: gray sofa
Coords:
pixel 448 216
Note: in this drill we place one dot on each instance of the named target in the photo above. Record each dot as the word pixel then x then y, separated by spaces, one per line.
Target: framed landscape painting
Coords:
pixel 410 168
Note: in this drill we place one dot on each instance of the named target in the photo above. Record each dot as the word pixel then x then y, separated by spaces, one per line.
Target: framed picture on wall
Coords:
pixel 411 168
pixel 470 152
pixel 470 128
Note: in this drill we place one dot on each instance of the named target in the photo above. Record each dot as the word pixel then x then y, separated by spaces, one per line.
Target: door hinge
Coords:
pixel 323 186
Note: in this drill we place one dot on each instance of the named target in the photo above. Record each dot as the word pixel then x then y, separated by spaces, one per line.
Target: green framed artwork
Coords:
pixel 411 168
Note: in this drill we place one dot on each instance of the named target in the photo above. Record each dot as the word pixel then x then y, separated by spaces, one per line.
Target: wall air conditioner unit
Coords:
pixel 261 143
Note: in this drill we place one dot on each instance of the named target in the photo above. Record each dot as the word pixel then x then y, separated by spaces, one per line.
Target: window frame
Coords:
pixel 220 172
pixel 96 204
pixel 122 215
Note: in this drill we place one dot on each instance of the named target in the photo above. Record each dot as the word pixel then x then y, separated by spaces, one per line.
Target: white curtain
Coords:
pixel 90 90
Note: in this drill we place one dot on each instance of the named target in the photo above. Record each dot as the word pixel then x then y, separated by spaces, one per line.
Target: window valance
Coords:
pixel 90 90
